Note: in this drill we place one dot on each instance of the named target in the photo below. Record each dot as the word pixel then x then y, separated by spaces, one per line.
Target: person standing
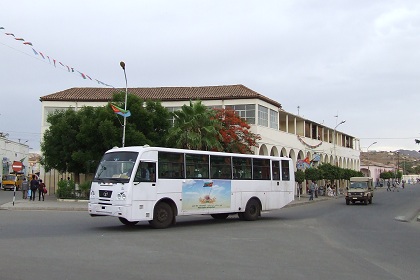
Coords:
pixel 25 188
pixel 41 189
pixel 311 191
pixel 316 190
pixel 34 186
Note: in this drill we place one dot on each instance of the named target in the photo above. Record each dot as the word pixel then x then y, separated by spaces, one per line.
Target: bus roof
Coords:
pixel 145 148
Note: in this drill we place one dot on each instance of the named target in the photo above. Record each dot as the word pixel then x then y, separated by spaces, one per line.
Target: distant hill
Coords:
pixel 389 158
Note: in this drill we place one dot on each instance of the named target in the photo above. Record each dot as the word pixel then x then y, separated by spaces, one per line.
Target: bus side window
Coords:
pixel 285 170
pixel 276 170
pixel 146 172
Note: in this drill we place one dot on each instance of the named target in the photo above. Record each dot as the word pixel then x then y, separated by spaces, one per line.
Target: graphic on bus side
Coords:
pixel 206 194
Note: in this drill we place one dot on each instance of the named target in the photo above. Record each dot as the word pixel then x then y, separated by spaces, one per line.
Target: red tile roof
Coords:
pixel 160 93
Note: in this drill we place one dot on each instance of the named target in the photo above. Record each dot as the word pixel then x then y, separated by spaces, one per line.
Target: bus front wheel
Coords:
pixel 127 222
pixel 252 211
pixel 163 216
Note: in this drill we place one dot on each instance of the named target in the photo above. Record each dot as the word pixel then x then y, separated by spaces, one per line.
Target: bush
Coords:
pixel 85 189
pixel 65 189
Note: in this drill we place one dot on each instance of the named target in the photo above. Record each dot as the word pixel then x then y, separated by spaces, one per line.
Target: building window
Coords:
pixel 274 119
pixel 262 116
pixel 246 112
pixel 52 110
pixel 171 110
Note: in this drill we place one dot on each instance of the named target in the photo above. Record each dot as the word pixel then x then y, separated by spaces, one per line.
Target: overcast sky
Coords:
pixel 356 59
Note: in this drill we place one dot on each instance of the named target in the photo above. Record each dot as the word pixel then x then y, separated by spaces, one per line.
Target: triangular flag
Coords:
pixel 119 111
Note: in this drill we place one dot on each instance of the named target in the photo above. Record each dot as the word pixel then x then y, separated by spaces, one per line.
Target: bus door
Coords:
pixel 144 183
pixel 275 170
pixel 274 198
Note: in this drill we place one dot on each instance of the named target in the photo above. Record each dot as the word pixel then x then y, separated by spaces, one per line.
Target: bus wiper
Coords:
pixel 103 168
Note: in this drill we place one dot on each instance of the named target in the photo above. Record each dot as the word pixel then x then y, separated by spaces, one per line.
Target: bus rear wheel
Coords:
pixel 252 211
pixel 127 222
pixel 163 216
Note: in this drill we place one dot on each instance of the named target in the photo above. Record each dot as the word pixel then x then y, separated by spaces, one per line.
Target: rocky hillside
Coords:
pixel 390 158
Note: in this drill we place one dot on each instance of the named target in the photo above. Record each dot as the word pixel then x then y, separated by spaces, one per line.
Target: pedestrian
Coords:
pixel 311 191
pixel 388 184
pixel 25 188
pixel 34 186
pixel 394 186
pixel 316 190
pixel 403 184
pixel 41 190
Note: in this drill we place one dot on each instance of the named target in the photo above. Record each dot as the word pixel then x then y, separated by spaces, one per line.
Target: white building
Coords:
pixel 282 133
pixel 11 151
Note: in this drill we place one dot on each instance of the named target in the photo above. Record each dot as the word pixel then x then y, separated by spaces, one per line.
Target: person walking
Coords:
pixel 395 186
pixel 34 186
pixel 388 184
pixel 25 188
pixel 316 190
pixel 41 189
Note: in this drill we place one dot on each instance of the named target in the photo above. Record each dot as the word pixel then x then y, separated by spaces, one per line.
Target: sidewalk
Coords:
pixel 52 203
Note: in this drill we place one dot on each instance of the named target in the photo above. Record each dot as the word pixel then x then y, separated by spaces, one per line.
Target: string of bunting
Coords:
pixel 44 56
pixel 310 146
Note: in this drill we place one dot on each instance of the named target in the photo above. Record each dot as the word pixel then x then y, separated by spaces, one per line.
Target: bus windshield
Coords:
pixel 116 167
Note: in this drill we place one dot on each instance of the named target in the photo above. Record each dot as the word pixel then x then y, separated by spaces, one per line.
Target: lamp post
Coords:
pixel 367 152
pixel 335 155
pixel 122 64
pixel 335 139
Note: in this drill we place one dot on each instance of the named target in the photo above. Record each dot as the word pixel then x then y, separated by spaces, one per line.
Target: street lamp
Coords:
pixel 122 64
pixel 367 152
pixel 334 141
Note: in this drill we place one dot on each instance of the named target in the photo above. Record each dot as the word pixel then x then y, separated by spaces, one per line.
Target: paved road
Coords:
pixel 321 240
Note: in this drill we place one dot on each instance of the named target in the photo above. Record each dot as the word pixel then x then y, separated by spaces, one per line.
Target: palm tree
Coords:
pixel 195 128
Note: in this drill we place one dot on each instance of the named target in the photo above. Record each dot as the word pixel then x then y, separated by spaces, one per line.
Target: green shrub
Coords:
pixel 85 189
pixel 65 189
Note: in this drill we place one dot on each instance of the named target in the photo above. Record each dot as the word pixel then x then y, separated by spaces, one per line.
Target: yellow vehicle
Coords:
pixel 10 181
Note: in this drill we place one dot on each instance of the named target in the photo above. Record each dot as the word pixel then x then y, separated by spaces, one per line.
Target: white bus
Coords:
pixel 157 184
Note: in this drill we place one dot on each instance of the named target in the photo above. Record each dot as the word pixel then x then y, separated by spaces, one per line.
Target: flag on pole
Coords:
pixel 119 111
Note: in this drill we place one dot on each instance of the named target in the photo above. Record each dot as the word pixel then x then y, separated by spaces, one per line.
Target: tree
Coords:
pixel 386 175
pixel 195 128
pixel 346 174
pixel 148 124
pixel 313 174
pixel 299 178
pixel 235 135
pixel 330 172
pixel 76 140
